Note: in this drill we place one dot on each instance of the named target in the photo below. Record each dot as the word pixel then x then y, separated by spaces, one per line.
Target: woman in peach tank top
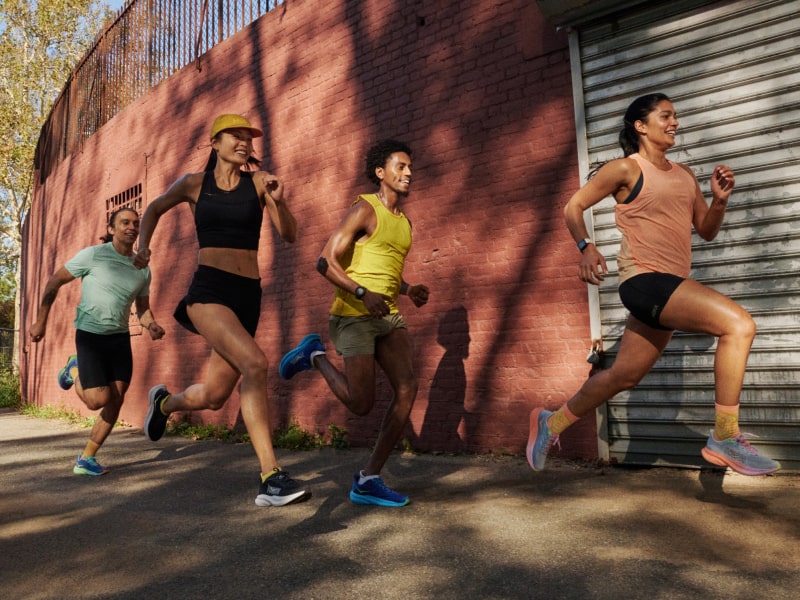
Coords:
pixel 658 203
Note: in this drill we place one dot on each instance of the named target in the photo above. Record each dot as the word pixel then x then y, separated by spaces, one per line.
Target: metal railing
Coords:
pixel 145 43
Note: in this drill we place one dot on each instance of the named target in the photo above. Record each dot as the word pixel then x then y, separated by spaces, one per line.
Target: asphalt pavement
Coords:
pixel 176 519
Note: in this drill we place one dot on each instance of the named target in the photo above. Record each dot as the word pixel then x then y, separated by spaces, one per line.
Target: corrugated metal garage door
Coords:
pixel 731 70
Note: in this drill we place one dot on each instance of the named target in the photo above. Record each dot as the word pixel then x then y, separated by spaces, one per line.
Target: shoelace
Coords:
pixel 553 441
pixel 742 439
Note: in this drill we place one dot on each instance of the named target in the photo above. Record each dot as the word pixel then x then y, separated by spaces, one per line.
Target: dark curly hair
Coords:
pixel 379 154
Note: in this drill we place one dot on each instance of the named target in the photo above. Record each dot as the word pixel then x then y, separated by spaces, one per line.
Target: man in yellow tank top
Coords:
pixel 364 259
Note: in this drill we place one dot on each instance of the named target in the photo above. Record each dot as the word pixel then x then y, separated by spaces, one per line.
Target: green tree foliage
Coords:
pixel 41 41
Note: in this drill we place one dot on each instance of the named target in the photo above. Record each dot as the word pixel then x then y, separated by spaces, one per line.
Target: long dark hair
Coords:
pixel 112 221
pixel 637 111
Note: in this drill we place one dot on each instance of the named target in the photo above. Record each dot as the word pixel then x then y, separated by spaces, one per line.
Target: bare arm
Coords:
pixel 55 282
pixel 616 178
pixel 146 318
pixel 270 189
pixel 708 219
pixel 185 189
pixel 359 220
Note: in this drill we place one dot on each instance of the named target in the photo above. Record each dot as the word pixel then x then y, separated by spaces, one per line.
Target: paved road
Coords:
pixel 176 519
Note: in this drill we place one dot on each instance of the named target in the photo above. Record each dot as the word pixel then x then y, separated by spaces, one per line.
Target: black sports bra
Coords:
pixel 636 189
pixel 228 219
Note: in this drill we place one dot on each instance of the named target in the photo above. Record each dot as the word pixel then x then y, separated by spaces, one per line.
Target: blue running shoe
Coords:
pixel 88 466
pixel 374 491
pixel 65 380
pixel 540 439
pixel 739 455
pixel 299 359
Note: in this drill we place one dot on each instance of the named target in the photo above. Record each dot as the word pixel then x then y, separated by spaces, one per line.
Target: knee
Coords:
pixel 406 392
pixel 622 379
pixel 256 368
pixel 94 401
pixel 744 326
pixel 361 406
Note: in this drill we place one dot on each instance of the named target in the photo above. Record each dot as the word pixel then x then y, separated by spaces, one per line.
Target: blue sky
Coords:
pixel 115 4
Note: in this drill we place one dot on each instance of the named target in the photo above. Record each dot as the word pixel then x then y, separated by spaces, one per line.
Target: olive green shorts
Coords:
pixel 355 336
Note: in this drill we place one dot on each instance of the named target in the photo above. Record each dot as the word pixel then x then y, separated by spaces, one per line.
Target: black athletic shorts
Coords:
pixel 646 295
pixel 214 286
pixel 103 359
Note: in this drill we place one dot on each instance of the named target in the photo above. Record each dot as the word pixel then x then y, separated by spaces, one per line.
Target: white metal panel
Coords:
pixel 731 69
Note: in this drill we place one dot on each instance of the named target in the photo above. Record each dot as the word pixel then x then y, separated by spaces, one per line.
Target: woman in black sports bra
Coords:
pixel 224 299
pixel 658 203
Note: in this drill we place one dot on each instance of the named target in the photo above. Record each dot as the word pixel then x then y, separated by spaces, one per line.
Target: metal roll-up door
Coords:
pixel 732 70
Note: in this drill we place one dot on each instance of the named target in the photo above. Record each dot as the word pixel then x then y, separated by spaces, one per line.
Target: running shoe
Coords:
pixel 739 455
pixel 88 466
pixel 279 490
pixel 299 359
pixel 374 491
pixel 65 380
pixel 155 424
pixel 540 439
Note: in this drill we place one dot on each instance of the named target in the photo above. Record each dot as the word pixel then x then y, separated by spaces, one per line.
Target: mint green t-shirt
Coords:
pixel 109 285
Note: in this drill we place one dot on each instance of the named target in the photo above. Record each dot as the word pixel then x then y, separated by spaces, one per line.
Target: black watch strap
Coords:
pixel 360 292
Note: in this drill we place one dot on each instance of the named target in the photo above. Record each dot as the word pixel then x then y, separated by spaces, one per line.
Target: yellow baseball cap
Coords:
pixel 223 122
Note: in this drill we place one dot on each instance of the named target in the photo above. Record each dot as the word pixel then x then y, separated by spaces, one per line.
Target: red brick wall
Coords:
pixel 482 94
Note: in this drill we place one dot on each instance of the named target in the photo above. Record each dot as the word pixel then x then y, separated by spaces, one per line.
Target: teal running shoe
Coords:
pixel 88 466
pixel 65 380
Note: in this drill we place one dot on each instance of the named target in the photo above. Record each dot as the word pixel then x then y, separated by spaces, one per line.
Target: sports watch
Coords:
pixel 360 292
pixel 583 243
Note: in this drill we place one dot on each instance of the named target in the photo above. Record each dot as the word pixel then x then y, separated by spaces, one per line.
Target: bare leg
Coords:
pixel 697 308
pixel 356 389
pixel 234 353
pixel 107 398
pixel 639 349
pixel 394 354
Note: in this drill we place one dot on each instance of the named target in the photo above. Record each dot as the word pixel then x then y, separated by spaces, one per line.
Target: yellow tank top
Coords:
pixel 377 262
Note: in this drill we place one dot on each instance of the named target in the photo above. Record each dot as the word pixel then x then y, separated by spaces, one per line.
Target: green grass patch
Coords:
pixel 61 412
pixel 9 388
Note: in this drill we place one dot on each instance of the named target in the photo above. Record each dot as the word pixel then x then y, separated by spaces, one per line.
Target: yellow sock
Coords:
pixel 726 421
pixel 161 405
pixel 90 450
pixel 560 420
pixel 270 474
